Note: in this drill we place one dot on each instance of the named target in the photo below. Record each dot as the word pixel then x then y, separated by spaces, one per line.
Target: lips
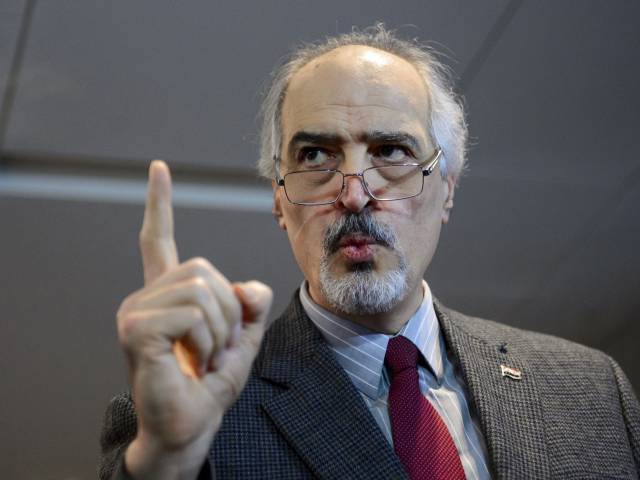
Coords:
pixel 357 248
pixel 357 239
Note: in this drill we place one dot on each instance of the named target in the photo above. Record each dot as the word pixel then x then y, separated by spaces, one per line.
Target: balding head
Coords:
pixel 444 122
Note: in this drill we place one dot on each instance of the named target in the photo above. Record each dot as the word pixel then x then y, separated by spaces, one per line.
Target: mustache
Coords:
pixel 358 223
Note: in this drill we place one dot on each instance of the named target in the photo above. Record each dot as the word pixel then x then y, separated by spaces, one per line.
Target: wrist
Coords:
pixel 146 459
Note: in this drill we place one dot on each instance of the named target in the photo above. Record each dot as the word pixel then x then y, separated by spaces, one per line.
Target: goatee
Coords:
pixel 362 290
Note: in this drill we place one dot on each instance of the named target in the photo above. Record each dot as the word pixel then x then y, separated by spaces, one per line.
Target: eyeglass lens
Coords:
pixel 391 182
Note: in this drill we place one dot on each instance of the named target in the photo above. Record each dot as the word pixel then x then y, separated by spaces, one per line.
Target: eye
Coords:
pixel 392 154
pixel 314 157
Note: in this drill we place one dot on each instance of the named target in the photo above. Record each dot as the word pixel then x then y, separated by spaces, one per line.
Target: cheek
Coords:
pixel 416 222
pixel 306 220
pixel 413 212
pixel 306 227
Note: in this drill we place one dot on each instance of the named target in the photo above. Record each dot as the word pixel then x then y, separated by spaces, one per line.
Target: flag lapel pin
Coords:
pixel 513 373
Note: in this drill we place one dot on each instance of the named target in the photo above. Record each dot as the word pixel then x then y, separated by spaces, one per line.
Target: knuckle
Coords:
pixel 128 303
pixel 124 308
pixel 200 289
pixel 200 265
pixel 144 237
pixel 129 327
pixel 194 312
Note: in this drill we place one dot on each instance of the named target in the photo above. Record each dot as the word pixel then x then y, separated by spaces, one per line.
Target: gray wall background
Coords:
pixel 544 235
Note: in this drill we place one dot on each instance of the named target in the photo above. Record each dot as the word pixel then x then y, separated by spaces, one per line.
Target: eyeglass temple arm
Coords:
pixel 428 170
pixel 279 180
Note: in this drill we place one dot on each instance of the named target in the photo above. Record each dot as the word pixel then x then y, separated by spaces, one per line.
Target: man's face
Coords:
pixel 350 109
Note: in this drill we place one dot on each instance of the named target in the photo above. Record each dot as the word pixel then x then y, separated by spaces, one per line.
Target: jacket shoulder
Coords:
pixel 579 391
pixel 521 340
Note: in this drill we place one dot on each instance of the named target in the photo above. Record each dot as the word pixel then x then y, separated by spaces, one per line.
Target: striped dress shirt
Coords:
pixel 361 353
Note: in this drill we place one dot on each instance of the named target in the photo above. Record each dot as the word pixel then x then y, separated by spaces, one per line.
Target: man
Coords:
pixel 365 375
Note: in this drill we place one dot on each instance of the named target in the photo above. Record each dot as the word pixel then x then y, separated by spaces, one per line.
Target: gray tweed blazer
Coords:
pixel 572 415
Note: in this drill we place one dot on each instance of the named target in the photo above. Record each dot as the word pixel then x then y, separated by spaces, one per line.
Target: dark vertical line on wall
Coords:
pixel 490 41
pixel 14 71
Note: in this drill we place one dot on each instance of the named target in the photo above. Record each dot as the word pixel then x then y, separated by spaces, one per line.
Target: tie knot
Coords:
pixel 401 355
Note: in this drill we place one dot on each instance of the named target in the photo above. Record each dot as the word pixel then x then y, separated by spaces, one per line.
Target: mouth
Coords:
pixel 357 248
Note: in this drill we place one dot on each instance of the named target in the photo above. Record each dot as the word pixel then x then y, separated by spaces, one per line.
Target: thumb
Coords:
pixel 255 298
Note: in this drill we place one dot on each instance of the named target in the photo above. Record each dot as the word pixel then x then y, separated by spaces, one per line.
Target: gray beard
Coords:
pixel 362 291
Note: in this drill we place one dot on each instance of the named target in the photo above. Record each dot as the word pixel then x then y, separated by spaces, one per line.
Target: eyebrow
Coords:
pixel 375 136
pixel 314 138
pixel 400 138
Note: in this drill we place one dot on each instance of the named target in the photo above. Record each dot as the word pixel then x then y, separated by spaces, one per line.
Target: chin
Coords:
pixel 362 290
pixel 361 267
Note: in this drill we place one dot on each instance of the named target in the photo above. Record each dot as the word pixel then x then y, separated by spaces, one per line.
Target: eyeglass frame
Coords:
pixel 426 171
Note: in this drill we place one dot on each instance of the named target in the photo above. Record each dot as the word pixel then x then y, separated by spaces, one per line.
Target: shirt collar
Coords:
pixel 361 351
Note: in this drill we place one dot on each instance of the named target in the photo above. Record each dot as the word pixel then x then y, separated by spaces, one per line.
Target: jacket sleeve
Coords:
pixel 119 428
pixel 630 410
pixel 118 431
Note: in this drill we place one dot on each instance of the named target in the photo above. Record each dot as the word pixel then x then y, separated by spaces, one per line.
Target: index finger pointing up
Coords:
pixel 157 243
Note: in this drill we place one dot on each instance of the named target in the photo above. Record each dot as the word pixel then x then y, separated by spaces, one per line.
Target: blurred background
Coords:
pixel 544 235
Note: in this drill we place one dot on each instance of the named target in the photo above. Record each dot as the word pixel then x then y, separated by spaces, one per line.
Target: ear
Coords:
pixel 277 205
pixel 449 188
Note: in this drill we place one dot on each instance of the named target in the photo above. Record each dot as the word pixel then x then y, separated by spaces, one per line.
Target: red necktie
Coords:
pixel 420 437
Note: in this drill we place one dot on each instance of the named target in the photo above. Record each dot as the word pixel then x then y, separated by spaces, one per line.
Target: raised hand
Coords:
pixel 190 338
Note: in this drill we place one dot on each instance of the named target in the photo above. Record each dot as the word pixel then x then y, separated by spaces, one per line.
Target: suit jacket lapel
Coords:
pixel 509 409
pixel 320 413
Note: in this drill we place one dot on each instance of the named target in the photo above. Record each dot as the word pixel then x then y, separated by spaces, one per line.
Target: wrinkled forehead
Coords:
pixel 355 83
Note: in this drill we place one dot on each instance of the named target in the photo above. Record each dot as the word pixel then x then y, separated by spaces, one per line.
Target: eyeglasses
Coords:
pixel 385 183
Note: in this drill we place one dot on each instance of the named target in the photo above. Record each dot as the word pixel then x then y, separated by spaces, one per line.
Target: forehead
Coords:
pixel 356 87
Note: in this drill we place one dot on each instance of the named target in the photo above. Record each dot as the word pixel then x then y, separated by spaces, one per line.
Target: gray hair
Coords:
pixel 446 122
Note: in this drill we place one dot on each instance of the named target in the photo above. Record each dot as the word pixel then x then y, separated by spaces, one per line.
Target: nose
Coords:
pixel 354 196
